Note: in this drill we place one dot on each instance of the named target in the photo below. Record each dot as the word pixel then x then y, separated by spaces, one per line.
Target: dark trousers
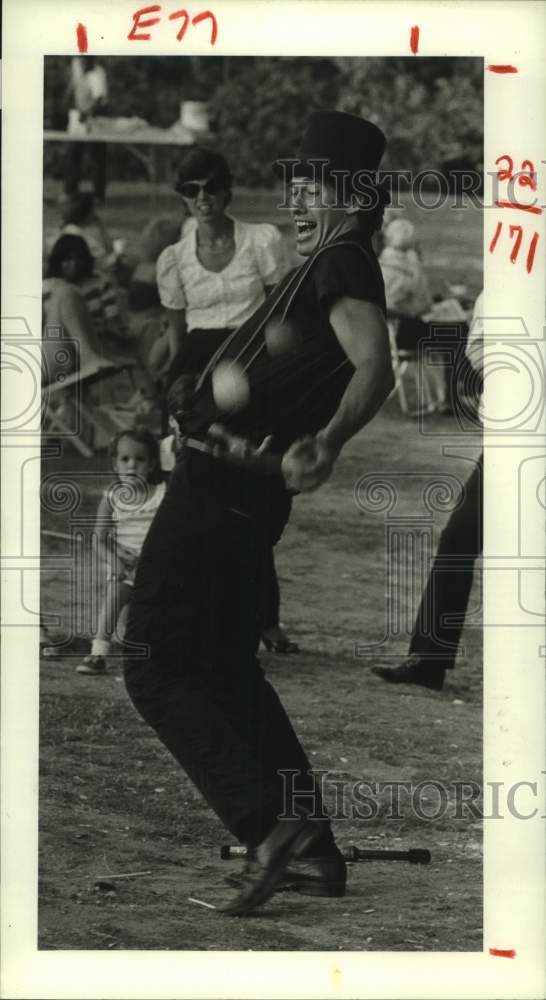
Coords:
pixel 73 166
pixel 441 614
pixel 201 687
pixel 197 349
pixel 269 594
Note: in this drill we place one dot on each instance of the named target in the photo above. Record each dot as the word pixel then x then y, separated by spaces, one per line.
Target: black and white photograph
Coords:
pixel 266 369
pixel 256 582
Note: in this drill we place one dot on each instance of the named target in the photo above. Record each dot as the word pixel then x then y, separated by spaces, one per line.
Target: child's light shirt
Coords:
pixel 132 521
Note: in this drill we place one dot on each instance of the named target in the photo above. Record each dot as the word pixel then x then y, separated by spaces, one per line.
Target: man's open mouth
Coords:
pixel 304 226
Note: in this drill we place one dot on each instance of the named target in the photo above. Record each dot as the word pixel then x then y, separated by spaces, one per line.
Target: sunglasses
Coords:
pixel 192 188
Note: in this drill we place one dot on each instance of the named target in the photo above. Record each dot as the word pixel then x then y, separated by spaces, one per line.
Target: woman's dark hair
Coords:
pixel 68 246
pixel 199 163
pixel 142 436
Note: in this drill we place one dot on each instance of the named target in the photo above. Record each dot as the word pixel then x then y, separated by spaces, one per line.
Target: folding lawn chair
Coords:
pixel 67 411
pixel 406 364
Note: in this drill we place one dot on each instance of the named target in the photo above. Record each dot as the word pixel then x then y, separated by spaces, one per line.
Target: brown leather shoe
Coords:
pixel 264 869
pixel 321 876
pixel 413 671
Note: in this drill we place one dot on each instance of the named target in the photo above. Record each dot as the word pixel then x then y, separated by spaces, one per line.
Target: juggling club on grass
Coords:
pixel 415 855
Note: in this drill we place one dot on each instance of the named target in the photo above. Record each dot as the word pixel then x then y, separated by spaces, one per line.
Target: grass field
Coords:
pixel 450 238
pixel 113 801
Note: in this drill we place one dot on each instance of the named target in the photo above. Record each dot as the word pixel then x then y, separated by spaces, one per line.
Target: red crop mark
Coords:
pixel 503 952
pixel 81 35
pixel 497 68
pixel 414 39
pixel 204 15
pixel 531 253
pixel 534 209
pixel 137 23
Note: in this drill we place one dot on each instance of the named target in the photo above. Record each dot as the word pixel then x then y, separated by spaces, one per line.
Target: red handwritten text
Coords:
pixel 414 39
pixel 531 253
pixel 138 23
pixel 516 234
pixel 496 68
pixel 141 20
pixel 526 177
pixel 503 952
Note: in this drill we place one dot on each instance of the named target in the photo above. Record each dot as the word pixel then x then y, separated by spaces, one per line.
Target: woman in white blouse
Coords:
pixel 220 270
pixel 209 283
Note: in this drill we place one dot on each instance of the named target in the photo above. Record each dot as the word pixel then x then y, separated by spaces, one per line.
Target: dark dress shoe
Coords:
pixel 285 647
pixel 413 671
pixel 266 865
pixel 320 876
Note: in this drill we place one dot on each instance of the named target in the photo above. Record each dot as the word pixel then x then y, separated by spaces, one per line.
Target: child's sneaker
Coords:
pixel 92 665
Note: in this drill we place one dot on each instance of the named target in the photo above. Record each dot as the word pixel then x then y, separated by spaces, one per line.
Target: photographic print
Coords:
pixel 277 479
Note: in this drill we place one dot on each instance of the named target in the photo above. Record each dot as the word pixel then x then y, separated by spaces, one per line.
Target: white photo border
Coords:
pixel 507 34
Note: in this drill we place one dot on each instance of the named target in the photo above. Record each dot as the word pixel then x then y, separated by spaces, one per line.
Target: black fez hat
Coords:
pixel 346 141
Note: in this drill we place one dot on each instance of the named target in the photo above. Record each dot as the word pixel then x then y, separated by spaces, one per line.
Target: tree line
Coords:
pixel 431 109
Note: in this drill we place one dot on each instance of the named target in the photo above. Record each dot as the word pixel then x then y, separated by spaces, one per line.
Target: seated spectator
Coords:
pixel 66 309
pixel 71 268
pixel 146 314
pixel 410 302
pixel 80 219
pixel 406 285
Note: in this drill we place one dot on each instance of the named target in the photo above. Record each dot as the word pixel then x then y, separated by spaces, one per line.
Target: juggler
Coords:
pixel 199 684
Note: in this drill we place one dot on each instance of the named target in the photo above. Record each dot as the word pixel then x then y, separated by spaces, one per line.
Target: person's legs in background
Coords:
pixel 97 153
pixel 73 166
pixel 440 619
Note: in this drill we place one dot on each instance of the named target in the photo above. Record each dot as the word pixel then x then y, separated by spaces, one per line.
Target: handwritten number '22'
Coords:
pixel 526 176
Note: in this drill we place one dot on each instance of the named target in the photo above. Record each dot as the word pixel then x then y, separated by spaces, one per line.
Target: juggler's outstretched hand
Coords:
pixel 308 463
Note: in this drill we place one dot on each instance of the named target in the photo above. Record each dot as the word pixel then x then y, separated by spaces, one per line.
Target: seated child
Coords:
pixel 124 516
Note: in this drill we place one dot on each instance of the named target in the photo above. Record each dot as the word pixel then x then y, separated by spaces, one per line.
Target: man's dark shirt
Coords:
pixel 291 395
pixel 297 392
